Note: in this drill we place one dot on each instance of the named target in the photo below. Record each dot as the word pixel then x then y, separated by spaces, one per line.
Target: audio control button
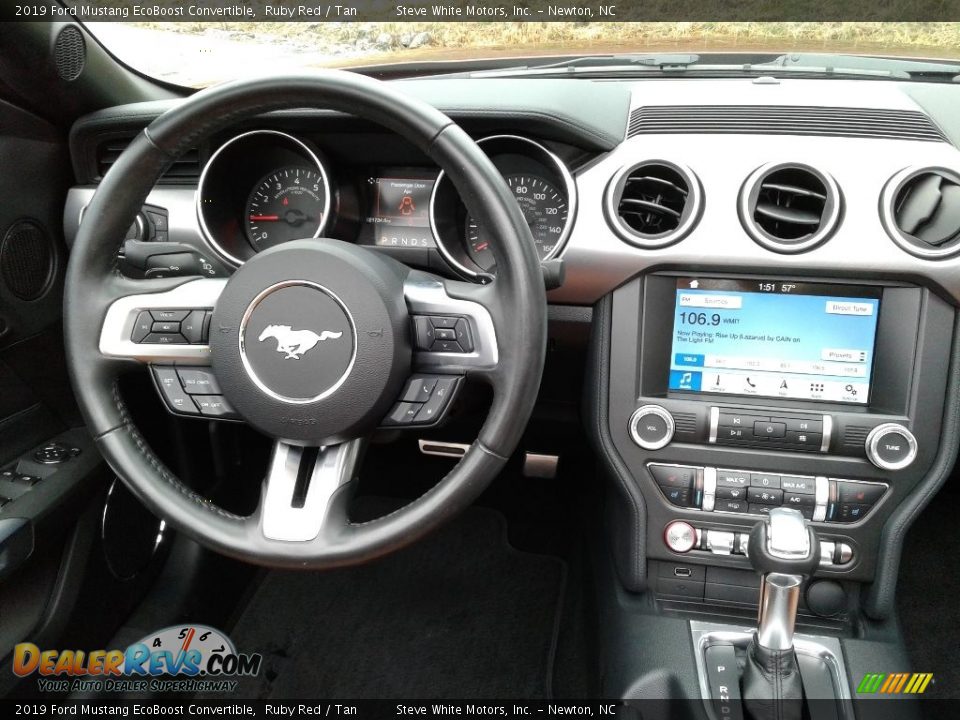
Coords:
pixel 891 446
pixel 651 427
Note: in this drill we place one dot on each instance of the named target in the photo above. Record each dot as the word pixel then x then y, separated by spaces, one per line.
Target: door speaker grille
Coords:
pixel 26 259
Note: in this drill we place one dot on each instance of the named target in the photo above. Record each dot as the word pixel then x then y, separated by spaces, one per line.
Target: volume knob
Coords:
pixel 651 427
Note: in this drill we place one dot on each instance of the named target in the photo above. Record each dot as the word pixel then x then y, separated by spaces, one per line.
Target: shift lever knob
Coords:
pixel 784 543
pixel 785 550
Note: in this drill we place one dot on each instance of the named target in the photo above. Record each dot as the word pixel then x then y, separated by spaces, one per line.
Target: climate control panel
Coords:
pixel 726 490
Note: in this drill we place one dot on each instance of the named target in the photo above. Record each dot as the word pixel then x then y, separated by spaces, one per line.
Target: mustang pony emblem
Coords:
pixel 295 342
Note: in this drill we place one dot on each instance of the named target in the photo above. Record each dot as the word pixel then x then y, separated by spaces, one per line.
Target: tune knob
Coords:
pixel 680 536
pixel 651 427
pixel 891 446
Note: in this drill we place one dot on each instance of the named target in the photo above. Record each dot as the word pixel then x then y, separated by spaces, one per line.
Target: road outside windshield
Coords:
pixel 198 54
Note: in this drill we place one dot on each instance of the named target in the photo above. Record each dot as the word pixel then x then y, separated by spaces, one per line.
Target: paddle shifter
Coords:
pixel 785 550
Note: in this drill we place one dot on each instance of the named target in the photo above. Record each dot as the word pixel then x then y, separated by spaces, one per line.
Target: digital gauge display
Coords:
pixel 400 212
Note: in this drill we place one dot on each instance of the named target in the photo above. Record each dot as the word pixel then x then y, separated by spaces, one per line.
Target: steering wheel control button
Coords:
pixel 297 342
pixel 142 327
pixel 442 334
pixel 193 325
pixel 198 381
pixel 169 315
pixel 424 401
pixel 214 406
pixel 165 339
pixel 177 399
pixel 55 453
pixel 651 427
pixel 418 389
pixel 166 327
pixel 891 446
pixel 681 537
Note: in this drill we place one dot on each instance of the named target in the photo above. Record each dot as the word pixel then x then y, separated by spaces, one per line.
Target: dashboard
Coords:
pixel 773 268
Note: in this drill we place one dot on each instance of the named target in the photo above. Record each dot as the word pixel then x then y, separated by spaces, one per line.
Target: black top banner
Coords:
pixel 482 10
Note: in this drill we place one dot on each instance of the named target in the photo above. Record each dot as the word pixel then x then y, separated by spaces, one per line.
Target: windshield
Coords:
pixel 197 54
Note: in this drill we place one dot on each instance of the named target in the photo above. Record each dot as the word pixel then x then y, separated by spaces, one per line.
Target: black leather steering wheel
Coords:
pixel 374 294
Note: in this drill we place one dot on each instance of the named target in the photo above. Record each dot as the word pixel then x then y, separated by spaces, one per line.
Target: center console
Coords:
pixel 732 395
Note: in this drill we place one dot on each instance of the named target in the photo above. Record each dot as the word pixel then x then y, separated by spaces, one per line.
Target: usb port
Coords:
pixel 682 572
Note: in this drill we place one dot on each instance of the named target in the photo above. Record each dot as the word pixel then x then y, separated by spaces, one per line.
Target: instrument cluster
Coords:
pixel 266 187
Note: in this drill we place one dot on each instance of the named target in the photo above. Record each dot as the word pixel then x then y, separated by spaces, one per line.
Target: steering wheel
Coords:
pixel 318 405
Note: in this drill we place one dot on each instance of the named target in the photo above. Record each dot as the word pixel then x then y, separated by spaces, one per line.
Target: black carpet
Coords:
pixel 459 614
pixel 927 593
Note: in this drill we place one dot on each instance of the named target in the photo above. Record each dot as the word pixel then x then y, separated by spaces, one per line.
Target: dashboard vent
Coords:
pixel 784 120
pixel 789 208
pixel 654 203
pixel 922 211
pixel 184 170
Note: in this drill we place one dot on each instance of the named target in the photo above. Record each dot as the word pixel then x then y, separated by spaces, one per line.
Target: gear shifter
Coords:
pixel 785 550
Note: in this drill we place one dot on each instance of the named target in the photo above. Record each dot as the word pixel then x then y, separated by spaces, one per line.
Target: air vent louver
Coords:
pixel 185 169
pixel 926 212
pixel 789 208
pixel 654 203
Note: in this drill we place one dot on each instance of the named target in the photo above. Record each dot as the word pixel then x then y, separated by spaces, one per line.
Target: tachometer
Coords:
pixel 544 208
pixel 287 204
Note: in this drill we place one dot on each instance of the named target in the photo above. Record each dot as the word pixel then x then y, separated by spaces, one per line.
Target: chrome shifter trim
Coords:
pixel 787 536
pixel 779 596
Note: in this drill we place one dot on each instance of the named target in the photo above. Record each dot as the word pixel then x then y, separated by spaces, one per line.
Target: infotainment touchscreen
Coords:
pixel 774 338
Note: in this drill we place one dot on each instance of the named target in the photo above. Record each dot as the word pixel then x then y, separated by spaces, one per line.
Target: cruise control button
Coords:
pixel 855 492
pixel 169 315
pixel 213 406
pixel 798 484
pixel 165 339
pixel 764 480
pixel 418 389
pixel 198 382
pixel 732 478
pixel 769 429
pixel 671 476
pixel 169 383
pixel 142 327
pixel 764 496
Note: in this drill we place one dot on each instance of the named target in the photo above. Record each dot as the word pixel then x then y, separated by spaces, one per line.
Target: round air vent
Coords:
pixel 27 259
pixel 654 203
pixel 70 53
pixel 789 208
pixel 920 209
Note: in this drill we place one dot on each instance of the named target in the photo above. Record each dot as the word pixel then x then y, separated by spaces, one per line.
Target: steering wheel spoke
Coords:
pixel 301 486
pixel 164 327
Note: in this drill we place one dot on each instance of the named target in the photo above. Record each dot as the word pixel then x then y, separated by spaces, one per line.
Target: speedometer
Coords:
pixel 544 208
pixel 287 204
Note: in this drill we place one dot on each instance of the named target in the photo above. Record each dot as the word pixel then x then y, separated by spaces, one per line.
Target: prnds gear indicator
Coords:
pixel 770 338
